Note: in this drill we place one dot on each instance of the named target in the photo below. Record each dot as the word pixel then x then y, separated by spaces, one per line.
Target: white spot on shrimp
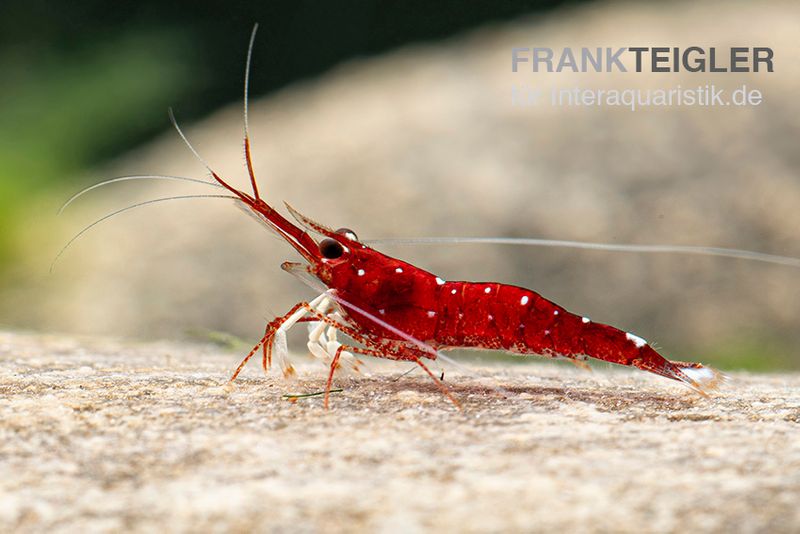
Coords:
pixel 487 290
pixel 431 314
pixel 453 292
pixel 382 311
pixel 586 320
pixel 398 270
pixel 547 332
pixel 361 272
pixel 524 300
pixel 636 340
pixel 555 312
pixel 439 281
pixel 491 317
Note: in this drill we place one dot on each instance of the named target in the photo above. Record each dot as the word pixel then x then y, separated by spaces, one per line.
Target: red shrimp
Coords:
pixel 398 311
pixel 376 292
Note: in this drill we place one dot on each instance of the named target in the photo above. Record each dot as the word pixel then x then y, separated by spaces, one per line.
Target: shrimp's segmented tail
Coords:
pixel 697 376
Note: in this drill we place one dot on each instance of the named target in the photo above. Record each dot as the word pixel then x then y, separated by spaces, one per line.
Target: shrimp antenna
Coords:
pixel 122 210
pixel 242 195
pixel 247 155
pixel 751 255
pixel 175 125
pixel 85 190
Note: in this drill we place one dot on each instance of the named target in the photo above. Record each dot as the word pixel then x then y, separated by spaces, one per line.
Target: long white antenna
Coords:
pixel 247 155
pixel 186 141
pixel 122 210
pixel 741 254
pixel 247 79
pixel 82 192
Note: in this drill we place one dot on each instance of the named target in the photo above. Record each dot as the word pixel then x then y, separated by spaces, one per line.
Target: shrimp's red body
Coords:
pixel 398 311
pixel 454 314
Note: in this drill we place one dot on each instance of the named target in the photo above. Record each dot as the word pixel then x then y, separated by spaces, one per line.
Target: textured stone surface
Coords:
pixel 112 435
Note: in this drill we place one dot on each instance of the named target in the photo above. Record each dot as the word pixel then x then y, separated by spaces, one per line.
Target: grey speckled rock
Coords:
pixel 103 435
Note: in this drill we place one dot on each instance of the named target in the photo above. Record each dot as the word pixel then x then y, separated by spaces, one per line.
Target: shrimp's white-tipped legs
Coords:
pixel 323 343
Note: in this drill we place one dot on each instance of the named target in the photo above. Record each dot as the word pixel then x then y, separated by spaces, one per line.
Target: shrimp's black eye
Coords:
pixel 348 233
pixel 330 249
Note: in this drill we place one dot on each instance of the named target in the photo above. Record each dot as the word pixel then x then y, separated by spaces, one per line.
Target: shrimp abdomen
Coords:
pixel 505 317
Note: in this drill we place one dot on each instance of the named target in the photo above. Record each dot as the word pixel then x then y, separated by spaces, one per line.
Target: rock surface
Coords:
pixel 107 435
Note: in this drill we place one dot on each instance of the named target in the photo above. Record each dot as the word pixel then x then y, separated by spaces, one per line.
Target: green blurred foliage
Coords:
pixel 64 111
pixel 63 108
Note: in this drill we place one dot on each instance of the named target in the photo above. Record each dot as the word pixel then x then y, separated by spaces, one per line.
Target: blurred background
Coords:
pixel 394 119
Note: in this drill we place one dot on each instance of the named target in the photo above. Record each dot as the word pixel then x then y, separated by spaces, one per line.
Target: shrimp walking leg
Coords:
pixel 295 314
pixel 335 364
pixel 444 389
pixel 298 313
pixel 317 309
